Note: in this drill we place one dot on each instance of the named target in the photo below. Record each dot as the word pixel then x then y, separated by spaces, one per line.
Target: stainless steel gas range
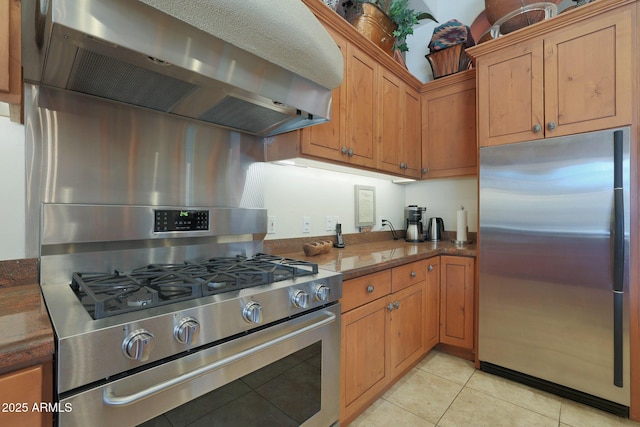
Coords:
pixel 177 310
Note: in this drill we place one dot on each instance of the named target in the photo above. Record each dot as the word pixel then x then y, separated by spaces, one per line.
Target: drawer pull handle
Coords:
pixel 370 288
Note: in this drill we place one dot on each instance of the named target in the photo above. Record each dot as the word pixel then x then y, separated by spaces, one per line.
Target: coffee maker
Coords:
pixel 413 223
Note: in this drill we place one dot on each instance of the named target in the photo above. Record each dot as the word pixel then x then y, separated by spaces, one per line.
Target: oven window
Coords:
pixel 284 393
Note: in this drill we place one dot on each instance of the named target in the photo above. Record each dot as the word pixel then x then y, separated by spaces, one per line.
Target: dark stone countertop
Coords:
pixel 365 258
pixel 26 334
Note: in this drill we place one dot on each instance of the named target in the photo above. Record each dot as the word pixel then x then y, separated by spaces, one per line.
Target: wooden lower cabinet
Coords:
pixel 365 371
pixel 432 303
pixel 392 318
pixel 406 313
pixel 382 337
pixel 22 395
pixel 457 301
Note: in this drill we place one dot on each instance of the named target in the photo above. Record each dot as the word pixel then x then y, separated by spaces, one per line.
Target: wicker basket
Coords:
pixel 448 61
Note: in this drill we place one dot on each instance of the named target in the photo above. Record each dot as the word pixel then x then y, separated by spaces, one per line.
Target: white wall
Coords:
pixel 12 190
pixel 294 192
pixel 443 198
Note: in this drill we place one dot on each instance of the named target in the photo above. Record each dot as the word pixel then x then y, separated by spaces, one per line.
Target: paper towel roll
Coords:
pixel 461 229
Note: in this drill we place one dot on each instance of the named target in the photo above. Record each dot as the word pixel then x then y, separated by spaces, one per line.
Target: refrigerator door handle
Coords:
pixel 618 259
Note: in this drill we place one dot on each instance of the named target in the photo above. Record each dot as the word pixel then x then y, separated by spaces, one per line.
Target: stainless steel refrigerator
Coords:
pixel 553 259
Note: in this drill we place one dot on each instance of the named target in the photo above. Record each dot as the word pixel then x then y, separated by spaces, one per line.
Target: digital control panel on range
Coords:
pixel 180 220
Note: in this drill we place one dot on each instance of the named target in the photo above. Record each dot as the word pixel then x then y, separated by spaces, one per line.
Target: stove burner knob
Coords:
pixel 322 293
pixel 252 312
pixel 300 299
pixel 138 345
pixel 186 331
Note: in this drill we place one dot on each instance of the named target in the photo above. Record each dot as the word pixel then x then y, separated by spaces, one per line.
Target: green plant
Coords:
pixel 405 19
pixel 401 15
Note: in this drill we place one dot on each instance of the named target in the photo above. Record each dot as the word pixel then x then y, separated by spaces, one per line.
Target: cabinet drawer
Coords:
pixel 408 275
pixel 356 292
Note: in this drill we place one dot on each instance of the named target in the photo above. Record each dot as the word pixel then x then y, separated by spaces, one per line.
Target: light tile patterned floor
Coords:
pixel 446 391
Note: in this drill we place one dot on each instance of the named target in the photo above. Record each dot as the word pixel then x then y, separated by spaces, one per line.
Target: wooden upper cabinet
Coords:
pixel 326 140
pixel 361 107
pixel 511 95
pixel 588 74
pixel 390 100
pixel 449 126
pixel 412 133
pixel 573 75
pixel 398 127
pixel 10 57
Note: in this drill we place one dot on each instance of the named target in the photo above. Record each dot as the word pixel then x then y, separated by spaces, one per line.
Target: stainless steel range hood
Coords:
pixel 256 66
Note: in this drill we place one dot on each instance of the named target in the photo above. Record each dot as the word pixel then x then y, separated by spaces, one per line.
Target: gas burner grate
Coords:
pixel 109 294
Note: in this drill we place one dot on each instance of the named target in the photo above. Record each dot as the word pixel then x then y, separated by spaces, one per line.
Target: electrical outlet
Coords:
pixel 330 224
pixel 271 224
pixel 306 224
pixel 336 220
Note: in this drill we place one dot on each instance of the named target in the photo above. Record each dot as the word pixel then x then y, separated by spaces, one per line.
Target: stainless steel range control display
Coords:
pixel 180 220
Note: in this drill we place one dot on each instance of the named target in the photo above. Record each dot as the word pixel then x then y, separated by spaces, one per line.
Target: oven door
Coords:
pixel 284 375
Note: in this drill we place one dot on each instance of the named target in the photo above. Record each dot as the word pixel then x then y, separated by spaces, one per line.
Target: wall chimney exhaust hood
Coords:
pixel 260 67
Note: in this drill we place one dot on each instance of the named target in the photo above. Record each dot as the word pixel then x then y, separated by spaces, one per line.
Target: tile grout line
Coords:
pixel 454 399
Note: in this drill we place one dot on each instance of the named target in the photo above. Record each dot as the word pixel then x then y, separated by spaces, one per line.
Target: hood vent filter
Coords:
pixel 110 78
pixel 240 114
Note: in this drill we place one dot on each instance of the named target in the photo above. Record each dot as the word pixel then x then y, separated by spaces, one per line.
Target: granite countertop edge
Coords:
pixel 358 260
pixel 26 333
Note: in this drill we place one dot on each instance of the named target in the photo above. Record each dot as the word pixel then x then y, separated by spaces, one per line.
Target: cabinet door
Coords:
pixel 432 304
pixel 412 133
pixel 23 389
pixel 449 127
pixel 406 327
pixel 456 301
pixel 10 54
pixel 510 95
pixel 361 77
pixel 588 76
pixel 327 140
pixel 364 364
pixel 390 100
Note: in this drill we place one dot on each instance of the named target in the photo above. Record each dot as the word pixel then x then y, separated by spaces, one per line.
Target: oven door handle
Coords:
pixel 113 400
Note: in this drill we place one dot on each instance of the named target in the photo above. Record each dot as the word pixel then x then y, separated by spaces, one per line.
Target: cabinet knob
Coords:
pixel 370 288
pixel 430 268
pixel 425 170
pixel 412 274
pixel 396 304
pixel 350 152
pixel 344 150
pixel 536 128
pixel 390 307
pixel 382 40
pixel 551 125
